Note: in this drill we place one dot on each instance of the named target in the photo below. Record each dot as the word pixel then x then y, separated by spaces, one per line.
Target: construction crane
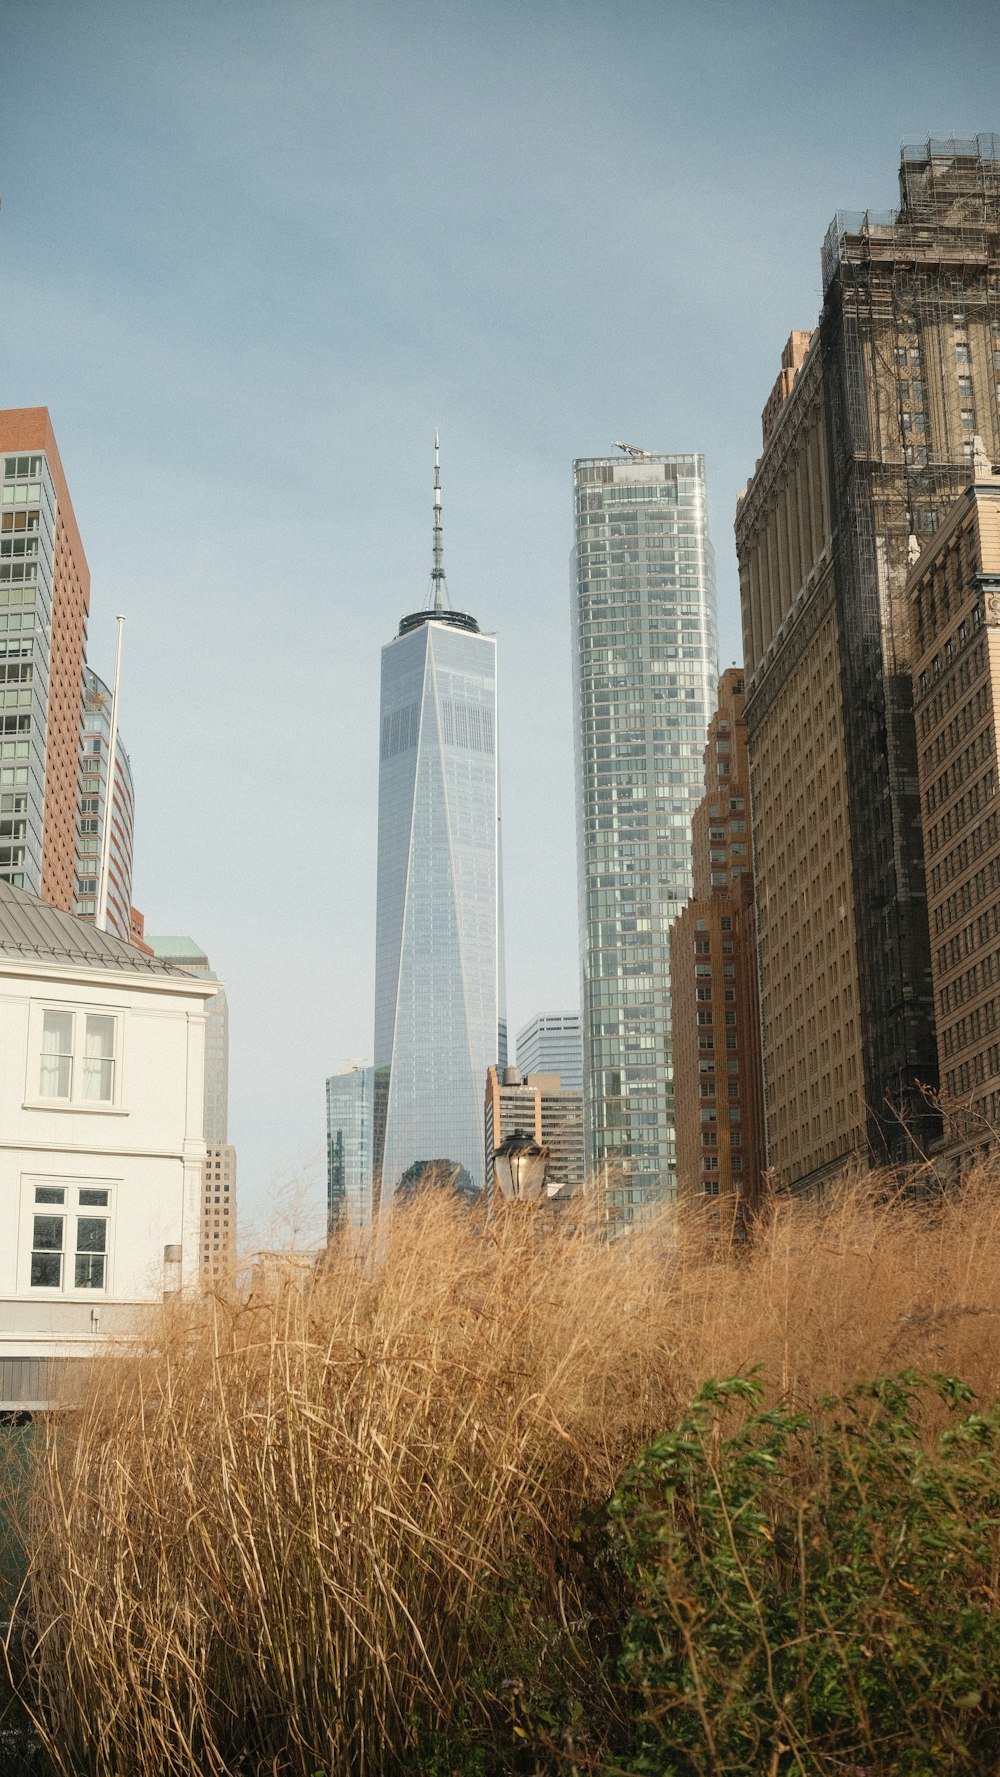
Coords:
pixel 631 450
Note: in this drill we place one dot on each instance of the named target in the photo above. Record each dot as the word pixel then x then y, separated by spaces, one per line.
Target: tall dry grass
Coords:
pixel 306 1525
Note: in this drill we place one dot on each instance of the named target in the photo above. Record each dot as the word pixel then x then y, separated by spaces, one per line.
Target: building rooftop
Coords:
pixel 172 949
pixel 456 619
pixel 33 931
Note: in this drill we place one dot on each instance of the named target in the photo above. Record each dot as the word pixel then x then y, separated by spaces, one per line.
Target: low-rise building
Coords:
pixel 102 1150
pixel 540 1106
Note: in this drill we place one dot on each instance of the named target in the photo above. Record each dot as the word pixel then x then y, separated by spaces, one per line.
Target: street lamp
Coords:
pixel 519 1166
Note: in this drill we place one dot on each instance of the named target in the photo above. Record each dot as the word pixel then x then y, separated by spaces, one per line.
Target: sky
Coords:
pixel 253 253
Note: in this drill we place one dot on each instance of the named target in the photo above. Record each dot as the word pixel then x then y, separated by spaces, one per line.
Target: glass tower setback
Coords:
pixel 550 1043
pixel 645 666
pixel 349 1148
pixel 94 765
pixel 438 970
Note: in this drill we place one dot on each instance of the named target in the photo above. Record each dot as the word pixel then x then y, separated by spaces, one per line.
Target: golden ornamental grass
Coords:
pixel 276 1536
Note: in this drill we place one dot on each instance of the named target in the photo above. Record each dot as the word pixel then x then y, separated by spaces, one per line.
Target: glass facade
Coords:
pixel 27 568
pixel 438 972
pixel 92 813
pixel 550 1043
pixel 645 654
pixel 349 1148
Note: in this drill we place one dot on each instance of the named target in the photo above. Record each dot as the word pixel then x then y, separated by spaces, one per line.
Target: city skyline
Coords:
pixel 308 287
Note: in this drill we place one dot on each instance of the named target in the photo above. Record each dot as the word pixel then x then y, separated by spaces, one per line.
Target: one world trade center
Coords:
pixel 439 992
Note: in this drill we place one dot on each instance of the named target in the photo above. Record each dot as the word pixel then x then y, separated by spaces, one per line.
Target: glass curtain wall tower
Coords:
pixel 439 1002
pixel 645 670
pixel 94 767
pixel 44 600
pixel 349 1148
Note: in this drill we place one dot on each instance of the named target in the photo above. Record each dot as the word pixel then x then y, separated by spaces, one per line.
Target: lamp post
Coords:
pixel 519 1167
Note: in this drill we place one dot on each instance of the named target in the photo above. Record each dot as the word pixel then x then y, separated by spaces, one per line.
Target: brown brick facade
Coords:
pixel 713 987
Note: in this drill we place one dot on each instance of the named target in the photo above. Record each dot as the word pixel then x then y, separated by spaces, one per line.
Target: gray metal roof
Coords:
pixel 32 931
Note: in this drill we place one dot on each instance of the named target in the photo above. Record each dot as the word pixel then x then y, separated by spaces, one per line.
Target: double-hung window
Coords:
pixel 78 1056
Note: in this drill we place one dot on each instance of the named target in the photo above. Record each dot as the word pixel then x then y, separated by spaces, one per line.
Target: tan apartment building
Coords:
pixel 537 1105
pixel 713 988
pixel 218 1214
pixel 810 1033
pixel 954 592
pixel 44 602
pixel 868 446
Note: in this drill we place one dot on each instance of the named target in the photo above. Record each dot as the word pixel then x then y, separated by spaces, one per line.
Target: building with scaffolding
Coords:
pixel 864 453
pixel 645 665
pixel 713 990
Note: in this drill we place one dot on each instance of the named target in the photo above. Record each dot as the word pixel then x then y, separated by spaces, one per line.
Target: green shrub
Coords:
pixel 815 1592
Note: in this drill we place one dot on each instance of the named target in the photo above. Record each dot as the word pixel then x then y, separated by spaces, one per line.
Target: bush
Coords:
pixel 815 1592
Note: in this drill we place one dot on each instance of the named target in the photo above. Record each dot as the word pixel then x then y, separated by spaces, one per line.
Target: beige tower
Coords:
pixel 954 591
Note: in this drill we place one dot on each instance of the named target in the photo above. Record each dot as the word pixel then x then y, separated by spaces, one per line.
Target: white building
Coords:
pixel 102 1075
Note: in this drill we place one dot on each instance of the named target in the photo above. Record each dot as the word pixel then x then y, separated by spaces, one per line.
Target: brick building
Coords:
pixel 713 987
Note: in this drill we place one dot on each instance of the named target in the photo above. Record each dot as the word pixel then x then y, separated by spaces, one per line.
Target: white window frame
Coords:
pixel 72 1212
pixel 78 1010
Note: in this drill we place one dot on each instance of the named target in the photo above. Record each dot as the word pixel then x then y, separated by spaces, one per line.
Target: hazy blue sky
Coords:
pixel 252 254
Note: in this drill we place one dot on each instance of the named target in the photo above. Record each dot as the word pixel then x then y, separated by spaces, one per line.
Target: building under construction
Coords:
pixel 864 453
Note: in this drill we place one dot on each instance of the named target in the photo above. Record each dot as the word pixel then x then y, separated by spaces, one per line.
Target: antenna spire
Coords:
pixel 437 571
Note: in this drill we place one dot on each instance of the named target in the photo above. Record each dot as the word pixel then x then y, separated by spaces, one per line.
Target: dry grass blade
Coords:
pixel 278 1535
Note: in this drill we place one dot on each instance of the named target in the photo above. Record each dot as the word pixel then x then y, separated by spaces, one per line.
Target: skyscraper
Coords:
pixel 94 765
pixel 185 954
pixel 349 1147
pixel 645 668
pixel 954 592
pixel 217 1250
pixel 551 1043
pixel 44 600
pixel 439 1001
pixel 867 444
pixel 714 998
